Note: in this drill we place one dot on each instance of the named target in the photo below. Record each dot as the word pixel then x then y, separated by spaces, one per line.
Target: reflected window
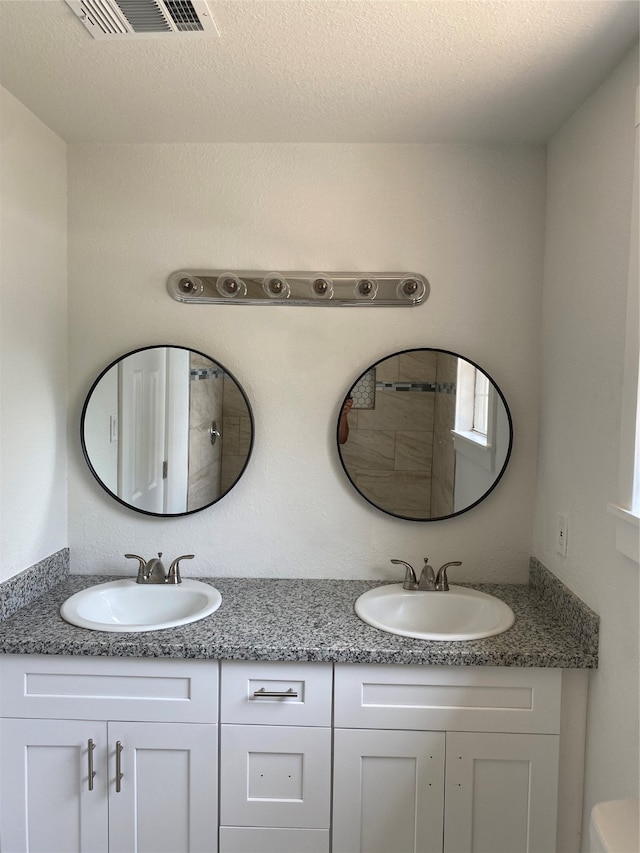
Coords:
pixel 474 402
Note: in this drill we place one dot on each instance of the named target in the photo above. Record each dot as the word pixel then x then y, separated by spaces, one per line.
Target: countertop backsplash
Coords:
pixel 30 584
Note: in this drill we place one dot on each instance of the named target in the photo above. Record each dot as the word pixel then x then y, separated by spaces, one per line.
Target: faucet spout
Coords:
pixel 154 570
pixel 427 577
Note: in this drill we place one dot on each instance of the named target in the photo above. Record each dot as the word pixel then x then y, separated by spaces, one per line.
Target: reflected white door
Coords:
pixel 142 429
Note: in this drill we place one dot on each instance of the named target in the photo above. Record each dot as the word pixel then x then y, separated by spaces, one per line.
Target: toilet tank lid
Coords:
pixel 617 825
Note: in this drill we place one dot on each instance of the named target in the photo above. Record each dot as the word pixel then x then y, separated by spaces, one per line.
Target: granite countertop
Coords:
pixel 306 620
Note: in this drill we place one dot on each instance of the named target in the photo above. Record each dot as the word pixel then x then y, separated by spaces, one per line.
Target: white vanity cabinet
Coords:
pixel 275 757
pixel 97 754
pixel 460 759
pixel 120 755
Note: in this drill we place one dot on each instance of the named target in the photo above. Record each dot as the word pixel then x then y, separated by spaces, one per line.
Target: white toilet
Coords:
pixel 614 827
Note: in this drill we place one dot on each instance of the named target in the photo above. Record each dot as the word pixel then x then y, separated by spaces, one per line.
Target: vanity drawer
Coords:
pixel 473 699
pixel 267 839
pixel 276 694
pixel 96 688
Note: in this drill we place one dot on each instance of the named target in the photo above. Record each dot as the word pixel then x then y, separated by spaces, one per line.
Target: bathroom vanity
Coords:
pixel 282 723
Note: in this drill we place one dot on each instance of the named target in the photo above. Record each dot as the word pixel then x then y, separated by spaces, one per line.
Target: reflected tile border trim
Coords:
pixel 565 605
pixel 26 586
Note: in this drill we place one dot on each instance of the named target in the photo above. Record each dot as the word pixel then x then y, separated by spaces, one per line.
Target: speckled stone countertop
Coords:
pixel 308 620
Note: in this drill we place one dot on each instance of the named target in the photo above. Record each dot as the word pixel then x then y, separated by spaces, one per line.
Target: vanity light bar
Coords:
pixel 298 288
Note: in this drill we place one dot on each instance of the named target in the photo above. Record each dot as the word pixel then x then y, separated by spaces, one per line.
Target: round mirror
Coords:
pixel 424 434
pixel 166 430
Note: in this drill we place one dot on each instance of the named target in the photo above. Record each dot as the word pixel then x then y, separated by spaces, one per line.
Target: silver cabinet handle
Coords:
pixel 275 694
pixel 92 773
pixel 119 773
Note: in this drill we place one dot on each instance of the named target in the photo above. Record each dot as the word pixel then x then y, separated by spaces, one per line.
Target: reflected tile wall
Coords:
pixel 400 453
pixel 393 490
pixel 370 449
pixel 205 407
pixel 399 410
pixel 417 366
pixel 388 452
pixel 444 457
pixel 236 435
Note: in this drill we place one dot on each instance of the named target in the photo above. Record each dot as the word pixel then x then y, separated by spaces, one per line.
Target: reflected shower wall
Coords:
pixel 444 456
pixel 206 388
pixel 236 434
pixel 390 449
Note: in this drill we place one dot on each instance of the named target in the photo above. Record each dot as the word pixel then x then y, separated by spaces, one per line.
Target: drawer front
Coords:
pixel 92 688
pixel 276 694
pixel 278 776
pixel 474 699
pixel 265 839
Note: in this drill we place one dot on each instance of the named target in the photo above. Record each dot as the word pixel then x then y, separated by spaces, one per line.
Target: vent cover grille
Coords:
pixel 144 18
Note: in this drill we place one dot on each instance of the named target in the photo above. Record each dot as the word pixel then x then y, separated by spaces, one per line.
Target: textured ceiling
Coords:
pixel 320 71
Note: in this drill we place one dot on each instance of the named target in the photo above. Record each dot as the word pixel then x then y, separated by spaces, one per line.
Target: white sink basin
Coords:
pixel 125 605
pixel 459 614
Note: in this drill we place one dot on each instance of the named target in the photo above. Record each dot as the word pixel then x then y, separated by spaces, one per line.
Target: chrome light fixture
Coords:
pixel 243 287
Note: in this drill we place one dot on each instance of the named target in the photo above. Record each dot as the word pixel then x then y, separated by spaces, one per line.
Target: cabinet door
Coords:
pixel 166 799
pixel 501 792
pixel 276 776
pixel 388 792
pixel 47 805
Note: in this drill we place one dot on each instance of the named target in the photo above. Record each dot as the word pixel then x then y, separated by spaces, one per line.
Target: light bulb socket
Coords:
pixel 366 288
pixel 412 288
pixel 189 285
pixel 230 286
pixel 321 286
pixel 276 286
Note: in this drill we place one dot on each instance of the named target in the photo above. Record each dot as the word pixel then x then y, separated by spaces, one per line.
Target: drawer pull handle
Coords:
pixel 275 694
pixel 119 773
pixel 92 773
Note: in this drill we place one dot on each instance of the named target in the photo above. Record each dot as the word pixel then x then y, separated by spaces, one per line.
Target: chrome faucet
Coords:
pixel 429 580
pixel 153 570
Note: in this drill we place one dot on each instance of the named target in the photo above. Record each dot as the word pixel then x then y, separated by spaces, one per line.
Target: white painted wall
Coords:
pixel 33 339
pixel 469 218
pixel 590 168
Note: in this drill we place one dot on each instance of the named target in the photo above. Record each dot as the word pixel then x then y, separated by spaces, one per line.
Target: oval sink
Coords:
pixel 459 614
pixel 125 605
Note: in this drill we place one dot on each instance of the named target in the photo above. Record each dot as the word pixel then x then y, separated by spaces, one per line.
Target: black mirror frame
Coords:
pixel 496 479
pixel 96 475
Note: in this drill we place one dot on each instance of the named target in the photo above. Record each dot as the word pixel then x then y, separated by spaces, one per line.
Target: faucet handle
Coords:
pixel 441 578
pixel 173 575
pixel 410 580
pixel 141 566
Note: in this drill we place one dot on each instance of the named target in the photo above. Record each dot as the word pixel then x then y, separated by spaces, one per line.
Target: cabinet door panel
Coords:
pixel 388 791
pixel 501 792
pixel 47 806
pixel 277 776
pixel 168 792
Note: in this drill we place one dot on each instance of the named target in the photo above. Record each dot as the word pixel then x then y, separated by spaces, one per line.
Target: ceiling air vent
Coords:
pixel 144 18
